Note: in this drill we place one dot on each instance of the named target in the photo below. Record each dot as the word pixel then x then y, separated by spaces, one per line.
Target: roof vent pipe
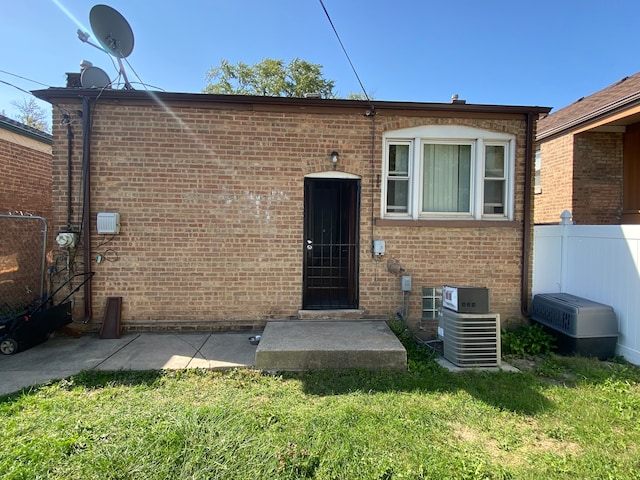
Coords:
pixel 455 99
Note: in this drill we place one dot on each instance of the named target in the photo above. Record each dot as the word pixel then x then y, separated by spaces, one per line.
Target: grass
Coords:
pixel 563 418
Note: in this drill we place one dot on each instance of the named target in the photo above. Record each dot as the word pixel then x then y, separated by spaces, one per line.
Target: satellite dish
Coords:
pixel 112 30
pixel 113 33
pixel 94 77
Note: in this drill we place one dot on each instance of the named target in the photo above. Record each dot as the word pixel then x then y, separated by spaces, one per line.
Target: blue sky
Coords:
pixel 544 53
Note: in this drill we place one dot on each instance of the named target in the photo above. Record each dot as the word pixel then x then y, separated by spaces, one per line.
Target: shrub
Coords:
pixel 527 340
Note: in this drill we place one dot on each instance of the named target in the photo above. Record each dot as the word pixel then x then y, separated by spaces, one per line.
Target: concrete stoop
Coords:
pixel 329 345
pixel 330 315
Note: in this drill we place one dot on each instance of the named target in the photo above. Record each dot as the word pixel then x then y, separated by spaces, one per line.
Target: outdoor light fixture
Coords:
pixel 334 157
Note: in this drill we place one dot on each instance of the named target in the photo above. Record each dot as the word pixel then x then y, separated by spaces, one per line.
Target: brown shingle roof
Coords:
pixel 612 98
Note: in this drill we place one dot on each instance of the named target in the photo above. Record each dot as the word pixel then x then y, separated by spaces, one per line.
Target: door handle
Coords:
pixel 309 245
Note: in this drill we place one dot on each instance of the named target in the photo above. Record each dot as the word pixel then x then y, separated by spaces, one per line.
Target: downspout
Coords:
pixel 86 203
pixel 526 230
pixel 372 114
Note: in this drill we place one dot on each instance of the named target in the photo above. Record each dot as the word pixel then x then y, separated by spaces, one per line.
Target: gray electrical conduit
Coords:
pixel 86 202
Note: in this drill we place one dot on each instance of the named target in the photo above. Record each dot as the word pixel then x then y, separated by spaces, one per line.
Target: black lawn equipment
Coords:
pixel 34 326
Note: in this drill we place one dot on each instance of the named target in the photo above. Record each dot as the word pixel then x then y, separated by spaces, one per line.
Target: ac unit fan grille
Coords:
pixel 471 340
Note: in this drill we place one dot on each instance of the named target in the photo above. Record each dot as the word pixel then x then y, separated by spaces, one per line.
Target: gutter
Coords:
pixel 52 94
pixel 86 203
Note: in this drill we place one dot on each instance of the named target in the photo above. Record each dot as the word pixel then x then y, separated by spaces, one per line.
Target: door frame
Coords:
pixel 354 262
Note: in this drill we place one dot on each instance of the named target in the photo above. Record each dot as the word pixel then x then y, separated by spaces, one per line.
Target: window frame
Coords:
pixel 418 137
pixel 504 178
pixel 537 183
pixel 472 172
pixel 410 168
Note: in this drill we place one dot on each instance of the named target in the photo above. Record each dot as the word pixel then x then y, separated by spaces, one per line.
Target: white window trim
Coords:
pixel 537 189
pixel 452 134
pixel 411 169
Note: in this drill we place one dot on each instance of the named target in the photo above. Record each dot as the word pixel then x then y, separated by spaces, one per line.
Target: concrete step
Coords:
pixel 329 345
pixel 345 314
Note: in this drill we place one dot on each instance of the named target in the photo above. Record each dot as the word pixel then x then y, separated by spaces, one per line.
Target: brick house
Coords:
pixel 25 211
pixel 25 162
pixel 589 158
pixel 235 210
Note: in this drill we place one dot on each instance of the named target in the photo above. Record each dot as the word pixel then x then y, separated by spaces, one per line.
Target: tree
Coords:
pixel 31 114
pixel 359 96
pixel 270 77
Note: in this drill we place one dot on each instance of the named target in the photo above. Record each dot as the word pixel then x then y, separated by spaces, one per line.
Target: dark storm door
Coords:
pixel 330 248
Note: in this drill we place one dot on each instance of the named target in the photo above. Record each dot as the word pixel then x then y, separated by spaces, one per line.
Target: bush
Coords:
pixel 527 340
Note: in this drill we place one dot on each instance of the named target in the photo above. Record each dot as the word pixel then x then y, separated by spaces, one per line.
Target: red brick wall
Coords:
pixel 556 180
pixel 583 174
pixel 597 192
pixel 211 210
pixel 25 189
pixel 25 183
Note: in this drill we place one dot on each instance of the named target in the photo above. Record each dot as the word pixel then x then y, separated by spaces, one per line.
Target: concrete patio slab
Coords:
pixel 61 356
pixel 225 350
pixel 162 351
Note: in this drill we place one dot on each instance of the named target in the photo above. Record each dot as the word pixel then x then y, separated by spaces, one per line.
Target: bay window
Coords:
pixel 448 172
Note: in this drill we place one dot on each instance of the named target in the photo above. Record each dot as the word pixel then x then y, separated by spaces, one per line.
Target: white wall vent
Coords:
pixel 108 223
pixel 471 339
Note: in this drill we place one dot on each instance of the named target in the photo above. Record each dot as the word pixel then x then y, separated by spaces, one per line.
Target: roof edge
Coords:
pixel 597 114
pixel 52 94
pixel 25 130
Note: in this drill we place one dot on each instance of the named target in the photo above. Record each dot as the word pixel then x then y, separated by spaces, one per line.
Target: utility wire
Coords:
pixel 345 53
pixel 23 78
pixel 145 85
pixel 16 87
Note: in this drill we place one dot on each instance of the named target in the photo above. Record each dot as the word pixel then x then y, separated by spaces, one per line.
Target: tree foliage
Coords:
pixel 270 77
pixel 31 114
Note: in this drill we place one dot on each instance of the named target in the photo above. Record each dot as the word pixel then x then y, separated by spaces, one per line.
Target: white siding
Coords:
pixel 601 263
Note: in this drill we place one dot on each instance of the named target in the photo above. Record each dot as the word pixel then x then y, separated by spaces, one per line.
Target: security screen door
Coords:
pixel 330 249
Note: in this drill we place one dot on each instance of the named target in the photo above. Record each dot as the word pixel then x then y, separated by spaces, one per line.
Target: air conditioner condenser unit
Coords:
pixel 471 340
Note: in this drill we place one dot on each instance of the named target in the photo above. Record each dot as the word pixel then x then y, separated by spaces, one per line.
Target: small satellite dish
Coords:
pixel 94 77
pixel 112 30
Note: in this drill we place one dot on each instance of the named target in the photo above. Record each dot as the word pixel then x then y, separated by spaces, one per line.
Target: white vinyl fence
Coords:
pixel 597 262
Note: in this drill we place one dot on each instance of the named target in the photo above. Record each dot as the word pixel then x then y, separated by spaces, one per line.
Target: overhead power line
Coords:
pixel 23 78
pixel 345 53
pixel 16 87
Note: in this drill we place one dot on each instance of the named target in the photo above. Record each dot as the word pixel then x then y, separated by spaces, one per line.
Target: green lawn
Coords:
pixel 565 418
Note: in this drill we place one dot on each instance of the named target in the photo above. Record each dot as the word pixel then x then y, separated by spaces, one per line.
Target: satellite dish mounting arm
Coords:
pixel 84 36
pixel 127 85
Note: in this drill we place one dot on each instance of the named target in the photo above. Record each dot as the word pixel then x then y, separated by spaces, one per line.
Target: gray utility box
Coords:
pixel 580 326
pixel 465 299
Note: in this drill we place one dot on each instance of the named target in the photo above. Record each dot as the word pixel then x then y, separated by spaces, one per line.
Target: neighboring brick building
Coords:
pixel 589 154
pixel 25 163
pixel 233 211
pixel 25 211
